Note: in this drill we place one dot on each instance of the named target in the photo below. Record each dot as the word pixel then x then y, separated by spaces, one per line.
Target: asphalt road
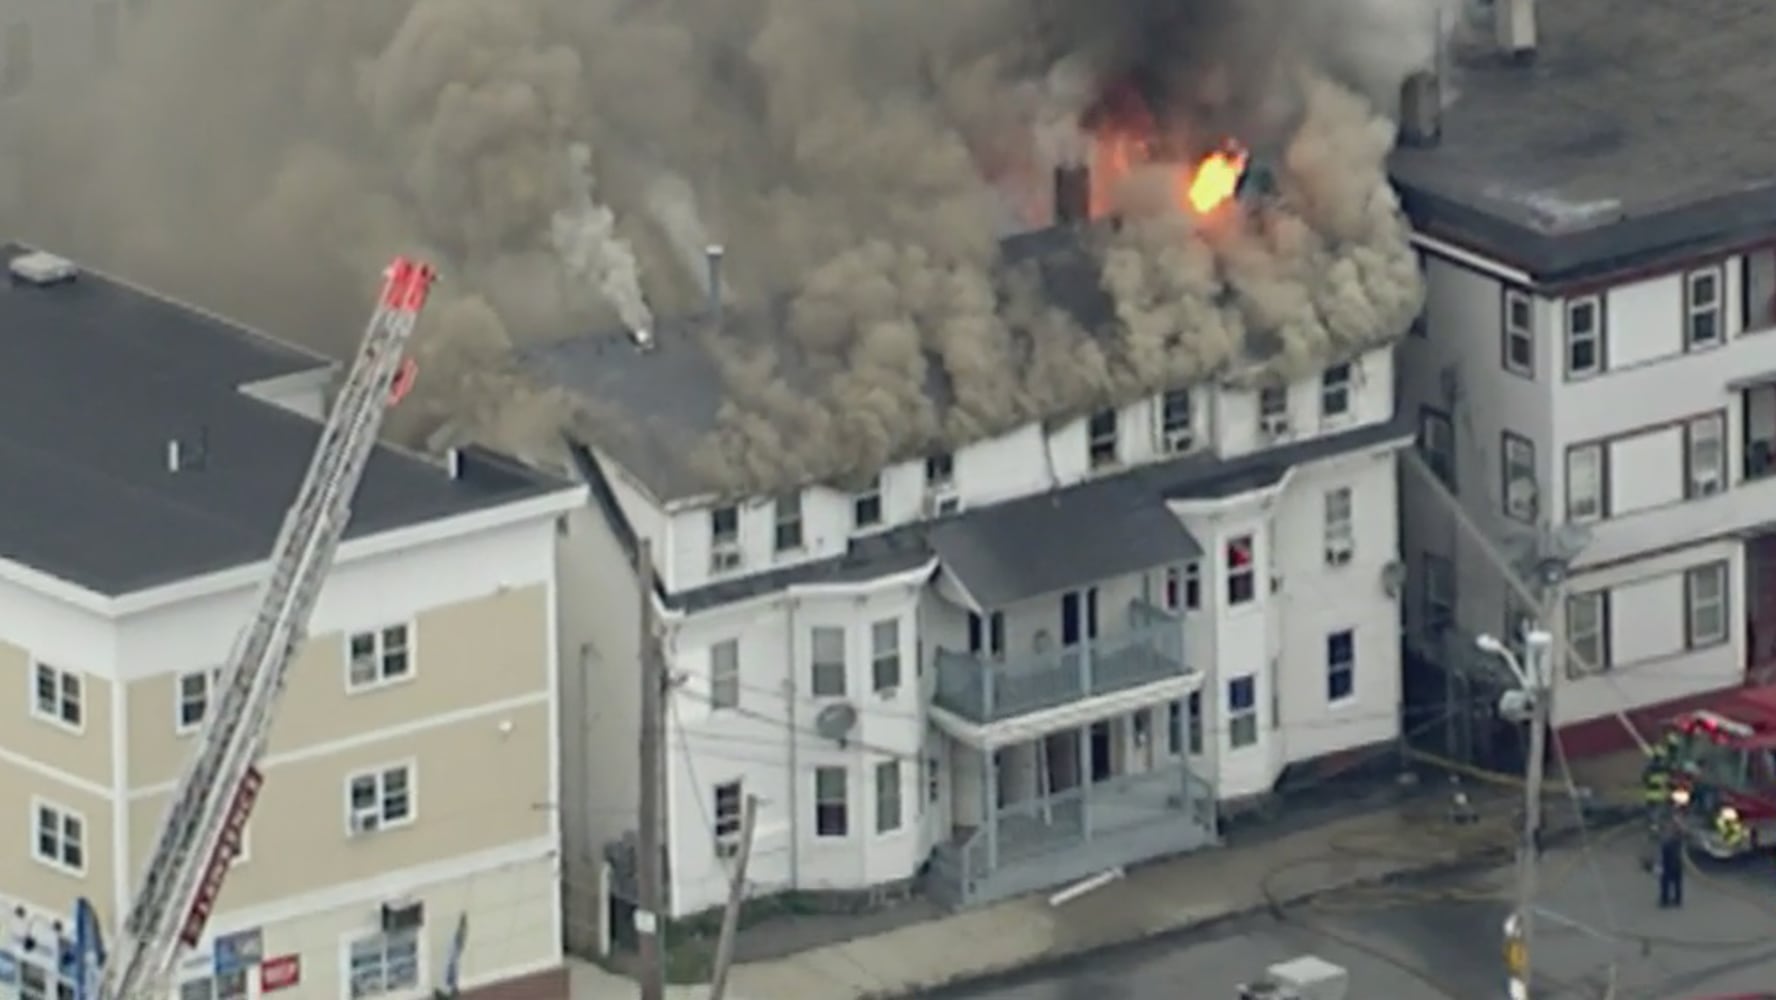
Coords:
pixel 1600 936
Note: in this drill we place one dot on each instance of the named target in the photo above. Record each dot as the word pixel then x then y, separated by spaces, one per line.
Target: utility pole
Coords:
pixel 653 747
pixel 1519 928
pixel 724 951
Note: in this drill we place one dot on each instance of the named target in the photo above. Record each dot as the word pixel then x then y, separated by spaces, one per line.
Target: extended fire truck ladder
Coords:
pixel 202 831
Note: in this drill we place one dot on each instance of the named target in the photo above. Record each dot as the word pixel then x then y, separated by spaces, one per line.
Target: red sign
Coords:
pixel 280 973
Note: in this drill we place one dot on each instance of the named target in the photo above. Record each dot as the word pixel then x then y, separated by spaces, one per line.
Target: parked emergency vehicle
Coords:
pixel 1725 759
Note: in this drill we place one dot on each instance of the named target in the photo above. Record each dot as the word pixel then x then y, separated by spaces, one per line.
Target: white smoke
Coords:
pixel 584 233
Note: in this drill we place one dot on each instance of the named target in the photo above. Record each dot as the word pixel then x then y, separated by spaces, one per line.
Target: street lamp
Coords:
pixel 1530 698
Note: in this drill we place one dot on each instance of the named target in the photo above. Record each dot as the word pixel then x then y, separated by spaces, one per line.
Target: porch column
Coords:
pixel 990 807
pixel 1082 750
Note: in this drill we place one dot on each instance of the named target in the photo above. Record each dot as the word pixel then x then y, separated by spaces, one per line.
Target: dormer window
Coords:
pixel 1335 392
pixel 724 538
pixel 787 516
pixel 866 506
pixel 1273 411
pixel 1176 427
pixel 1101 439
pixel 940 471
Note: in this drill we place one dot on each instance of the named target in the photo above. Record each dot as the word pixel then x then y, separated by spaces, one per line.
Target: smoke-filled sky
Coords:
pixel 566 161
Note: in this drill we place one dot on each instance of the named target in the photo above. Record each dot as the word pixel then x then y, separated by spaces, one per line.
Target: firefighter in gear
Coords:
pixel 1671 861
pixel 1730 829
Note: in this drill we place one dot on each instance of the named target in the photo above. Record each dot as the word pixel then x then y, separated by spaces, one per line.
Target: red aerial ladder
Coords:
pixel 202 831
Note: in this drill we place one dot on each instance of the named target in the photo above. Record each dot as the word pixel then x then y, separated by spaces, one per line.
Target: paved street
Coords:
pixel 1441 941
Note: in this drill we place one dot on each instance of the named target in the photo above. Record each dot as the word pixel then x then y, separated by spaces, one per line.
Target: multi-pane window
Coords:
pixel 1340 528
pixel 1517 486
pixel 885 655
pixel 726 819
pixel 888 796
pixel 1439 592
pixel 381 798
pixel 866 505
pixel 1242 573
pixel 59 837
pixel 1100 435
pixel 1587 630
pixel 1436 442
pixel 1705 605
pixel 1519 333
pixel 1703 315
pixel 1335 391
pixel 1242 711
pixel 1341 665
pixel 384 963
pixel 786 518
pixel 228 985
pixel 1705 455
pixel 940 471
pixel 1183 587
pixel 191 698
pixel 827 651
pixel 379 656
pixel 724 674
pixel 1584 336
pixel 1176 424
pixel 1193 721
pixel 724 538
pixel 58 696
pixel 1273 409
pixel 832 802
pixel 1585 496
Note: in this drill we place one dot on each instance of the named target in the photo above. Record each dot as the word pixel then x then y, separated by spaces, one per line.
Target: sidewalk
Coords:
pixel 1172 895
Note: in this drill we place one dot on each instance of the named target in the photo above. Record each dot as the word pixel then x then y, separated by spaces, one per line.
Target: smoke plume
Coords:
pixel 566 160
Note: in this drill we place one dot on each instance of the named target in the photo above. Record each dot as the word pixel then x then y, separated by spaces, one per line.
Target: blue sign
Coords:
pixel 9 968
pixel 238 951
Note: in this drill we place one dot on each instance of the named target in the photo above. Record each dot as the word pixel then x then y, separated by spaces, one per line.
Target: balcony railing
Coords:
pixel 1150 648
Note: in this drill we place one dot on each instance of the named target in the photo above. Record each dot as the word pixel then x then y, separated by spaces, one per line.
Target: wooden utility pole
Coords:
pixel 653 748
pixel 724 951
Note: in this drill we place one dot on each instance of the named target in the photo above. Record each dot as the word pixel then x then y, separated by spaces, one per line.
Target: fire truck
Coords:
pixel 1725 761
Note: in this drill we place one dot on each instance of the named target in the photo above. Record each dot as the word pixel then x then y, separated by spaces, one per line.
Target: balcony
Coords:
pixel 1150 648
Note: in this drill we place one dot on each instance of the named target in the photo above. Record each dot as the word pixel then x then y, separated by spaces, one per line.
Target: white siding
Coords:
pixel 1646 471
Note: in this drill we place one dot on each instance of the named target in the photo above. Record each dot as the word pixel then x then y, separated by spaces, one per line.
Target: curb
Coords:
pixel 1596 821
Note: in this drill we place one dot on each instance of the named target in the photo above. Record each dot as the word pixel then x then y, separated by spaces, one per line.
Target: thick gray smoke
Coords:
pixel 565 160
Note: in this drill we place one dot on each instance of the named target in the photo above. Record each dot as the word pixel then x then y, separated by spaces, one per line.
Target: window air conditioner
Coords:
pixel 1179 439
pixel 941 502
pixel 365 822
pixel 1274 425
pixel 724 558
pixel 727 847
pixel 1707 485
pixel 1338 553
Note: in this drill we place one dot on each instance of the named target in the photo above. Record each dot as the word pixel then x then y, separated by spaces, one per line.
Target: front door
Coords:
pixel 1079 616
pixel 1102 764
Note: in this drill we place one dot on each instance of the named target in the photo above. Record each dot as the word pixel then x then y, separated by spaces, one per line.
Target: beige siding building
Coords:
pixel 410 777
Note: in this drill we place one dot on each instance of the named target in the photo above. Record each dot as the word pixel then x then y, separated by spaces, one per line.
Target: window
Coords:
pixel 888 796
pixel 1183 587
pixel 1584 336
pixel 191 698
pixel 1705 605
pixel 1242 711
pixel 1705 455
pixel 1436 442
pixel 231 985
pixel 105 31
pixel 1100 434
pixel 379 657
pixel 1335 391
pixel 727 818
pixel 378 799
pixel 1587 631
pixel 1702 308
pixel 1439 592
pixel 787 516
pixel 933 779
pixel 1757 289
pixel 866 506
pixel 1273 410
pixel 831 802
pixel 59 696
pixel 1242 582
pixel 724 539
pixel 724 674
pixel 1341 538
pixel 385 963
pixel 827 646
pixel 987 635
pixel 940 471
pixel 1193 711
pixel 1176 426
pixel 15 60
pixel 885 656
pixel 59 837
pixel 1184 728
pixel 1341 665
pixel 1517 487
pixel 1585 494
pixel 1175 728
pixel 1519 333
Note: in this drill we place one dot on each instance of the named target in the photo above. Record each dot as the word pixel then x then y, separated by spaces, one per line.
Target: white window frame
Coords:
pixel 349 943
pixel 818 667
pixel 1714 308
pixel 724 674
pixel 1705 594
pixel 379 813
pixel 1705 474
pixel 1249 571
pixel 1511 332
pixel 1584 506
pixel 724 538
pixel 1588 633
pixel 69 697
pixel 1242 723
pixel 1337 384
pixel 380 652
pixel 211 680
pixel 1578 336
pixel 867 501
pixel 63 819
pixel 940 471
pixel 1517 460
pixel 1345 668
pixel 1340 526
pixel 843 803
pixel 208 986
pixel 890 791
pixel 727 817
pixel 1177 420
pixel 786 523
pixel 885 665
pixel 1102 445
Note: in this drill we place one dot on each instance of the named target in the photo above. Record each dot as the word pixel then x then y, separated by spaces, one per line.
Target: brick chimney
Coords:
pixel 1515 23
pixel 1072 194
pixel 1421 110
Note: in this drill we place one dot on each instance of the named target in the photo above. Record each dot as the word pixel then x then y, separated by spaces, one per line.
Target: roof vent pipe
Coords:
pixel 175 455
pixel 713 254
pixel 1515 23
pixel 453 462
pixel 1421 110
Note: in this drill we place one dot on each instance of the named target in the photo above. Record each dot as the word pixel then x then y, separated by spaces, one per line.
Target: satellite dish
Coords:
pixel 836 721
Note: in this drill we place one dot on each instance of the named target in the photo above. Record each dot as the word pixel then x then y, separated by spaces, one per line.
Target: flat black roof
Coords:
pixel 1642 132
pixel 97 376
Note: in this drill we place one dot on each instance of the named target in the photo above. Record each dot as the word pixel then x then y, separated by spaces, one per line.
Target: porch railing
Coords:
pixel 1149 648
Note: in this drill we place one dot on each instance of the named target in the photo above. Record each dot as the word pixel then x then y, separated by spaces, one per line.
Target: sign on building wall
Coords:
pixel 280 973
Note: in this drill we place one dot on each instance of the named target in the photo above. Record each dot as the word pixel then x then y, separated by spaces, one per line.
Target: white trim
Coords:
pixel 381 735
pixel 410 645
pixel 55 718
pixel 1472 260
pixel 121 882
pixel 42 770
pixel 63 814
pixel 210 676
pixel 1033 725
pixel 420 949
pixel 803 591
pixel 1265 495
pixel 375 773
pixel 552 616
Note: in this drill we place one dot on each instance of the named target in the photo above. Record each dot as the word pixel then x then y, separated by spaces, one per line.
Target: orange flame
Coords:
pixel 1215 179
